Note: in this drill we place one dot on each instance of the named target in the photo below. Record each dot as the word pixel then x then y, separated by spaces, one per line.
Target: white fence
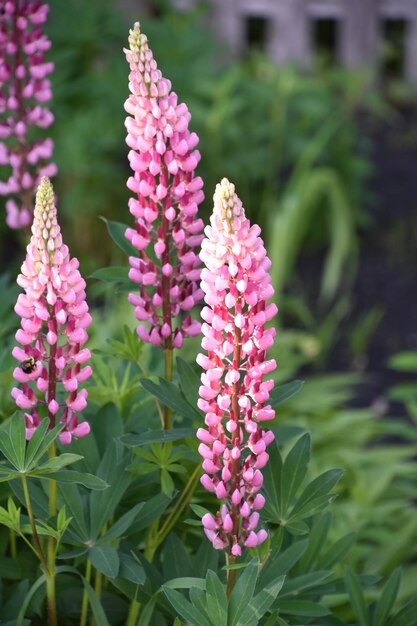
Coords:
pixel 290 27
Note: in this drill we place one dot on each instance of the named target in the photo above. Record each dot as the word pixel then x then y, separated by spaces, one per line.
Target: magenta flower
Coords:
pixel 24 90
pixel 234 394
pixel 167 230
pixel 54 316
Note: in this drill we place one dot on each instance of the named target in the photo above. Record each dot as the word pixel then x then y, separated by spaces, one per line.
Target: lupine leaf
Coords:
pixel 282 393
pixel 105 559
pixel 114 274
pixel 116 231
pixel 294 470
pixel 185 608
pixel 123 524
pixel 357 599
pixel 242 592
pixel 156 436
pixel 387 598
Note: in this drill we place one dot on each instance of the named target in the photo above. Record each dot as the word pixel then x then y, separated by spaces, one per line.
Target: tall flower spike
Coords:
pixel 234 394
pixel 167 230
pixel 24 90
pixel 54 316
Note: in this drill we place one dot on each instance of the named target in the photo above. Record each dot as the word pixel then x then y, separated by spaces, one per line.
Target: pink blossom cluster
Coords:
pixel 24 90
pixel 234 394
pixel 167 230
pixel 54 316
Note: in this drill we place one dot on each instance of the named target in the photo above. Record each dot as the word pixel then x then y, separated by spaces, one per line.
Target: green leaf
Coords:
pixel 297 528
pixel 153 508
pixel 189 379
pixel 71 496
pixel 116 231
pixel 302 608
pixel 105 559
pixel 17 436
pixel 284 392
pixel 147 611
pixel 71 476
pixel 40 442
pixel 356 596
pixel 123 524
pixel 316 488
pixel 112 274
pixel 294 470
pixel 171 396
pixel 337 551
pixel 387 598
pixel 131 569
pixel 272 483
pixel 281 562
pixel 112 469
pixel 305 581
pixel 58 462
pixel 216 599
pixel 260 604
pixel 34 588
pixel 242 592
pixel 185 608
pixel 186 582
pixel 316 540
pixel 156 436
pixel 407 616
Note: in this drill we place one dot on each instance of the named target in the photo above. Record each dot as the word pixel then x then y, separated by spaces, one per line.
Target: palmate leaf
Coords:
pixel 216 599
pixel 105 559
pixel 185 608
pixel 170 395
pixel 71 476
pixel 282 393
pixel 131 569
pixel 113 274
pixel 260 604
pixel 357 599
pixel 156 436
pixel 116 231
pixel 387 598
pixel 293 471
pixel 243 592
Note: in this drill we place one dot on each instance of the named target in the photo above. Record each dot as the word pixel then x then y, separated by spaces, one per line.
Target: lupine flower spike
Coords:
pixel 54 316
pixel 234 394
pixel 24 91
pixel 167 194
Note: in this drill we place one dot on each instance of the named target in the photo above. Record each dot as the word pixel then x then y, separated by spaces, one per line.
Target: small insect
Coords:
pixel 28 365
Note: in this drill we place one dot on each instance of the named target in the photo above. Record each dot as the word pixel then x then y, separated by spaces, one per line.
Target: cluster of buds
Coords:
pixel 54 316
pixel 24 90
pixel 234 394
pixel 167 230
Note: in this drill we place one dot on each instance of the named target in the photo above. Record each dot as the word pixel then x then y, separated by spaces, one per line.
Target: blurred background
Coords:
pixel 310 107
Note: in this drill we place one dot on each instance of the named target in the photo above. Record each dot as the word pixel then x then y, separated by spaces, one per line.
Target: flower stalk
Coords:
pixel 167 194
pixel 25 89
pixel 234 394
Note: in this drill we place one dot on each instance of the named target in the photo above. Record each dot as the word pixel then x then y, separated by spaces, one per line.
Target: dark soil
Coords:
pixel 387 274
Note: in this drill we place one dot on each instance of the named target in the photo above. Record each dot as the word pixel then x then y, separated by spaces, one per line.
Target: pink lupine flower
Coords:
pixel 53 332
pixel 24 90
pixel 167 231
pixel 235 384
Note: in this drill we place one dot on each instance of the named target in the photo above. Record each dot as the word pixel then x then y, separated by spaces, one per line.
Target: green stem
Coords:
pixel 168 353
pixel 84 605
pixel 98 585
pixel 231 575
pixel 50 581
pixel 158 404
pixel 36 540
pixel 12 541
pixel 175 514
